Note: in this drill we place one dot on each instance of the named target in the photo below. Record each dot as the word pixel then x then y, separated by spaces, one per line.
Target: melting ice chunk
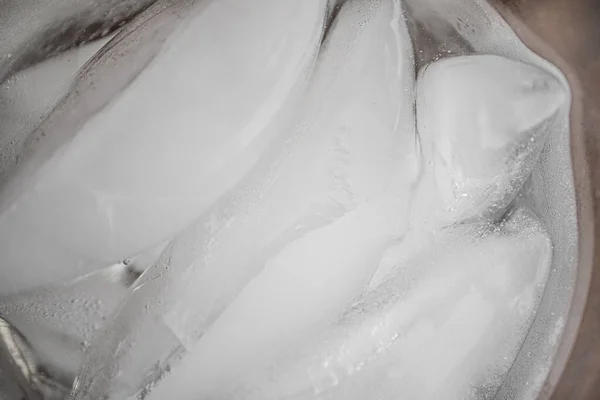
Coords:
pixel 160 124
pixel 482 121
pixel 348 165
pixel 451 319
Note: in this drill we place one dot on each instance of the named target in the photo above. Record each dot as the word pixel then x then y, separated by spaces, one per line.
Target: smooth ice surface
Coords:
pixel 482 121
pixel 159 125
pixel 26 98
pixel 346 166
pixel 447 324
pixel 32 30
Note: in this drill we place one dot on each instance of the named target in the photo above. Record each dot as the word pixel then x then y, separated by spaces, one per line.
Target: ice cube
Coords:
pixel 25 100
pixel 358 134
pixel 452 319
pixel 158 126
pixel 33 30
pixel 482 122
pixel 350 161
pixel 303 286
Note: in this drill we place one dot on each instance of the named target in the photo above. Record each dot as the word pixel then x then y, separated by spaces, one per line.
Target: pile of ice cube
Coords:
pixel 316 215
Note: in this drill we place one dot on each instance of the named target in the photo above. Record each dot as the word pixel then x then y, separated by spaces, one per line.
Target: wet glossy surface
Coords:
pixel 572 29
pixel 586 383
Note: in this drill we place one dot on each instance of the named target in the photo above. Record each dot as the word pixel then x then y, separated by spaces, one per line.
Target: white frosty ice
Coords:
pixel 319 207
pixel 482 122
pixel 447 322
pixel 158 126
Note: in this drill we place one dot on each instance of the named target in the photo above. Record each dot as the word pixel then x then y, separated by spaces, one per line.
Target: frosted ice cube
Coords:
pixel 349 161
pixel 158 126
pixel 482 122
pixel 451 320
pixel 32 30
